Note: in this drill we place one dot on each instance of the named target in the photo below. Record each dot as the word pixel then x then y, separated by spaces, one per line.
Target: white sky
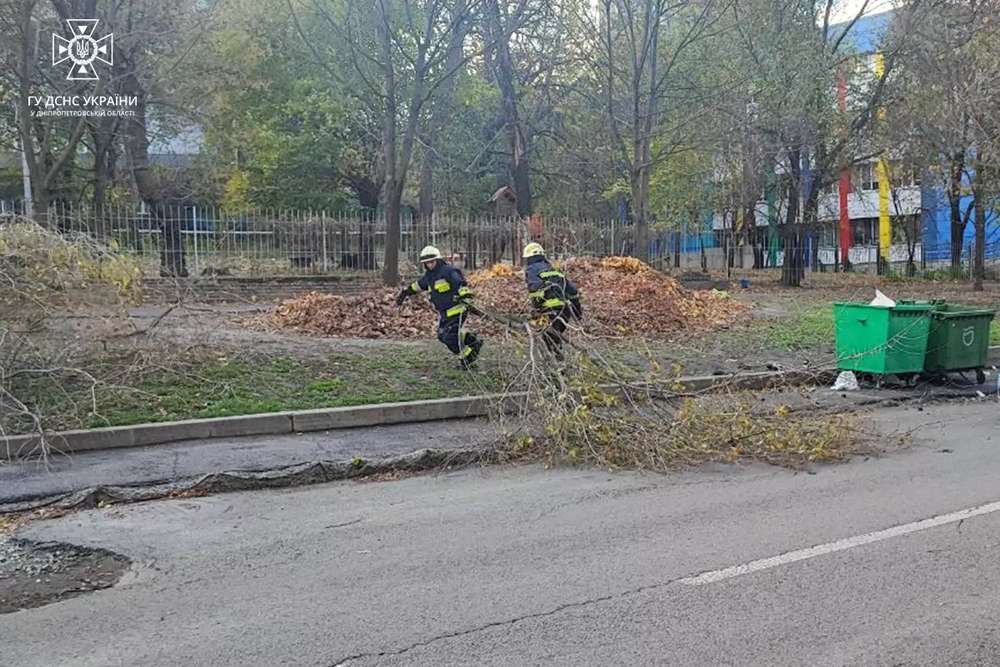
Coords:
pixel 845 10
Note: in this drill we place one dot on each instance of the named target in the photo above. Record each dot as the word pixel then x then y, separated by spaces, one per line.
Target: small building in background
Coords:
pixel 504 202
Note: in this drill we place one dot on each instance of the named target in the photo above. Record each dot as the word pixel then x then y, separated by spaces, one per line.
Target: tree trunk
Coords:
pixel 425 191
pixel 911 248
pixel 503 71
pixel 792 269
pixel 100 189
pixel 103 135
pixel 44 167
pixel 955 203
pixel 644 123
pixel 810 220
pixel 422 222
pixel 704 257
pixel 172 258
pixel 367 191
pixel 393 187
pixel 979 268
pixel 25 63
pixel 397 165
pixel 979 186
pixel 390 271
pixel 640 211
pixel 37 165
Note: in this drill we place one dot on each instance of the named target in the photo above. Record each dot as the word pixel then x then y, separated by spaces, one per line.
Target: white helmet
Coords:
pixel 429 253
pixel 533 250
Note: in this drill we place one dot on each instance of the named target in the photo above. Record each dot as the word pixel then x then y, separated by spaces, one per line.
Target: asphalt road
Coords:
pixel 889 561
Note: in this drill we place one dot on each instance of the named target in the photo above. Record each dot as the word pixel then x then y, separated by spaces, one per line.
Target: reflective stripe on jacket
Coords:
pixel 447 287
pixel 548 288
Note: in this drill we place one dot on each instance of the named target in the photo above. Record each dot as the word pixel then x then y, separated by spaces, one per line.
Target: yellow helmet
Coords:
pixel 429 253
pixel 532 250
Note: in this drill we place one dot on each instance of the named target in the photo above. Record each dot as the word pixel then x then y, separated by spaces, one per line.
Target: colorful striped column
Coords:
pixel 882 169
pixel 845 181
pixel 884 223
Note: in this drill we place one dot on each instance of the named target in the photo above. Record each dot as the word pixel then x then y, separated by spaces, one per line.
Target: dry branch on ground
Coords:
pixel 595 411
pixel 42 271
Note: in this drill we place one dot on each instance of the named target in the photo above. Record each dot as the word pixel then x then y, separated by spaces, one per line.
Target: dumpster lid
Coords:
pixel 903 306
pixel 956 310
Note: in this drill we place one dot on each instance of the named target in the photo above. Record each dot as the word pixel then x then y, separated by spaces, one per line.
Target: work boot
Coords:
pixel 468 361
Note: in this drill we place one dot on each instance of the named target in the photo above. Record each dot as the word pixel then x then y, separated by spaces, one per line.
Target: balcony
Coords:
pixel 864 203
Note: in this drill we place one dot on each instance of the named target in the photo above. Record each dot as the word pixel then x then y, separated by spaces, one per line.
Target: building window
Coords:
pixel 865 177
pixel 902 175
pixel 864 231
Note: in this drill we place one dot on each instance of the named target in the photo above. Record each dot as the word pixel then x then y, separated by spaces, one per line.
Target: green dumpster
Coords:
pixel 958 339
pixel 882 340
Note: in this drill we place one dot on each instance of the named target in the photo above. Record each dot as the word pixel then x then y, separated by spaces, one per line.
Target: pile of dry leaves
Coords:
pixel 621 295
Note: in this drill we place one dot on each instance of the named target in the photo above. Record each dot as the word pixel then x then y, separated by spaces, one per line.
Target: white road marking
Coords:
pixel 840 545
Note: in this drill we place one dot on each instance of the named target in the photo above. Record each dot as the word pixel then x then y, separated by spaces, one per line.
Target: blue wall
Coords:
pixel 866 35
pixel 937 226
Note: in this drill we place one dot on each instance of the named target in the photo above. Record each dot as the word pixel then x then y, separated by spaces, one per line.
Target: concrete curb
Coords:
pixel 273 423
pixel 380 414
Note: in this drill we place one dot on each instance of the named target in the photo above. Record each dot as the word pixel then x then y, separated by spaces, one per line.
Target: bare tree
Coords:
pixel 396 52
pixel 948 116
pixel 500 25
pixel 49 144
pixel 440 109
pixel 643 42
pixel 155 42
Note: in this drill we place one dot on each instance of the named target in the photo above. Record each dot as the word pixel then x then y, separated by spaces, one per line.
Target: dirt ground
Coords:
pixel 747 345
pixel 205 360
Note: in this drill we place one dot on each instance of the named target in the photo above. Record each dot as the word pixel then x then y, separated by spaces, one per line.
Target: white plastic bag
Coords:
pixel 846 381
pixel 882 300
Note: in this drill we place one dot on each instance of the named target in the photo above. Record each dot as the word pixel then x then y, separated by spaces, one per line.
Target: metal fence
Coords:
pixel 207 240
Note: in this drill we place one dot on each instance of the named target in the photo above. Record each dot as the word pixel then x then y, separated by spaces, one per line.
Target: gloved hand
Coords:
pixel 401 297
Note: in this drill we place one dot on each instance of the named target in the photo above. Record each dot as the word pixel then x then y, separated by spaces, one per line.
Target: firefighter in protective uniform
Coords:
pixel 451 296
pixel 552 295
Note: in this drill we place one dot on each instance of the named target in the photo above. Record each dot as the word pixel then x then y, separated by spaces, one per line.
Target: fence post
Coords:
pixel 194 232
pixel 322 231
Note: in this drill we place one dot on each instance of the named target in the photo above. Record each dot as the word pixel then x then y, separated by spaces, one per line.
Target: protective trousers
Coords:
pixel 452 332
pixel 553 335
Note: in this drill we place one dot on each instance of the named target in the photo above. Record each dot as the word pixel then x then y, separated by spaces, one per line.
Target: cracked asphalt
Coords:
pixel 143 465
pixel 526 566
